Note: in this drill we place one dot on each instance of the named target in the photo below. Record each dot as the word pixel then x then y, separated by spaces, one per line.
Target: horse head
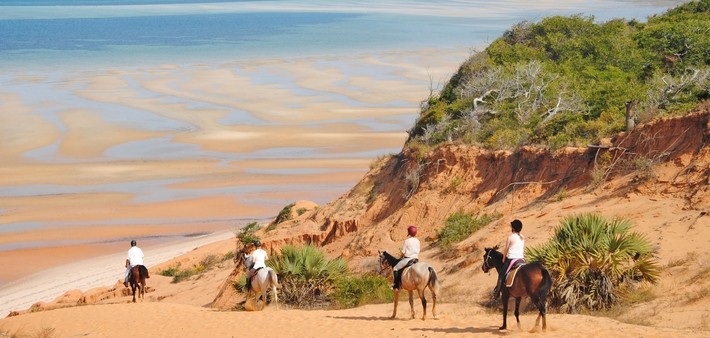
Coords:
pixel 491 259
pixel 387 260
pixel 382 260
pixel 242 258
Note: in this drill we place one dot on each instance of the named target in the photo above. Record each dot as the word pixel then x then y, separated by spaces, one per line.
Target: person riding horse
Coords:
pixel 410 251
pixel 135 257
pixel 512 254
pixel 258 261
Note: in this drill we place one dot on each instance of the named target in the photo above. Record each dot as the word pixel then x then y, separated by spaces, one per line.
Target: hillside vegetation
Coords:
pixel 571 81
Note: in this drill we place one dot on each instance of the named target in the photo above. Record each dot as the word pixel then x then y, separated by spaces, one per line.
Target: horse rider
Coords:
pixel 258 260
pixel 410 251
pixel 135 257
pixel 512 254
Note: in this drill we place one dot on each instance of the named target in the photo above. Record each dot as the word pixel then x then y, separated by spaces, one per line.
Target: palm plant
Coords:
pixel 306 276
pixel 593 260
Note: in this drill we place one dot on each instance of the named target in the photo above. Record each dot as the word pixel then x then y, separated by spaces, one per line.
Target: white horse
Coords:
pixel 263 280
pixel 419 276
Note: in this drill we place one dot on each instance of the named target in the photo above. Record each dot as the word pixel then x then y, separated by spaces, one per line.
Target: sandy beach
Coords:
pixel 106 270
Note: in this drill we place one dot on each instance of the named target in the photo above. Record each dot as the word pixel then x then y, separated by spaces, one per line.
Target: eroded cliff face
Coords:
pixel 667 157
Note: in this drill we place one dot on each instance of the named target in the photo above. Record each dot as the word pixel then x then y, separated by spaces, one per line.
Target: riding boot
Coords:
pixel 499 288
pixel 247 287
pixel 496 291
pixel 397 280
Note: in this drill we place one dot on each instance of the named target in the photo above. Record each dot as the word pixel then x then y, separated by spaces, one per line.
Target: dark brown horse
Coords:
pixel 137 280
pixel 532 280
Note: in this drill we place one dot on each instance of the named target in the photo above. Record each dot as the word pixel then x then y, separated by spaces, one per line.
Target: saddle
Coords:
pixel 411 262
pixel 510 277
pixel 250 276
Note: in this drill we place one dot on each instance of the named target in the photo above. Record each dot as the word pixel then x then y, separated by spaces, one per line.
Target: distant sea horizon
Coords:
pixel 77 34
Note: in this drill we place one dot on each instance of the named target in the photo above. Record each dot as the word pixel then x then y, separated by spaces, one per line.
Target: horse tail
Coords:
pixel 143 271
pixel 274 278
pixel 546 284
pixel 433 280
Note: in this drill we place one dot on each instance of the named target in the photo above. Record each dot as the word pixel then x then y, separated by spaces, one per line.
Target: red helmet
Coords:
pixel 412 230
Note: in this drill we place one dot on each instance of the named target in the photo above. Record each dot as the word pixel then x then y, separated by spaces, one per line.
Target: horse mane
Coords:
pixel 392 260
pixel 494 252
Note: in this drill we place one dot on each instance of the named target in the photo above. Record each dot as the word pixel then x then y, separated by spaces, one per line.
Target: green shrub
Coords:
pixel 306 276
pixel 247 234
pixel 356 291
pixel 285 214
pixel 180 275
pixel 460 225
pixel 593 261
pixel 566 80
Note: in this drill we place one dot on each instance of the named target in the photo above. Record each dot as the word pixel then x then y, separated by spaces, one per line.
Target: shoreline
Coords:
pixel 47 285
pixel 188 156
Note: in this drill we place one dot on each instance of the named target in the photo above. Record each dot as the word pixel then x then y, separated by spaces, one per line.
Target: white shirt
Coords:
pixel 135 256
pixel 516 246
pixel 410 249
pixel 258 257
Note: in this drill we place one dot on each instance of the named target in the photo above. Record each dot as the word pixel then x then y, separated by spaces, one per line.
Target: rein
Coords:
pixel 485 261
pixel 385 259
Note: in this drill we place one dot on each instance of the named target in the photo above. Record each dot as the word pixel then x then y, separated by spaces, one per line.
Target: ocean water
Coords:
pixel 41 34
pixel 53 52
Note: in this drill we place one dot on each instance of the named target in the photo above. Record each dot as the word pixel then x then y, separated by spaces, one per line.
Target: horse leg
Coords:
pixel 422 297
pixel 133 289
pixel 433 306
pixel 263 298
pixel 396 301
pixel 517 311
pixel 541 314
pixel 411 302
pixel 276 297
pixel 505 297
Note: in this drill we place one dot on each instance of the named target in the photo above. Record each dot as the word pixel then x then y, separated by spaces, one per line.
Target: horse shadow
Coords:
pixel 493 330
pixel 370 318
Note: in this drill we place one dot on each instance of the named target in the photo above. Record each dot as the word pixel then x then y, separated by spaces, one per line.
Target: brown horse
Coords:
pixel 418 276
pixel 137 280
pixel 532 279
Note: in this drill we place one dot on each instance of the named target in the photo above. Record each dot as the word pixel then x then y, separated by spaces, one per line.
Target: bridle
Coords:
pixel 486 266
pixel 383 262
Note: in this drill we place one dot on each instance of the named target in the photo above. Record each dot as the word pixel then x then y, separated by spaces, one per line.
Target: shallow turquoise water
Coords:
pixel 104 32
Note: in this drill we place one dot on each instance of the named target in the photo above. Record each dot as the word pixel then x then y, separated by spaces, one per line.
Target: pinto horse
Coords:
pixel 419 276
pixel 532 279
pixel 137 280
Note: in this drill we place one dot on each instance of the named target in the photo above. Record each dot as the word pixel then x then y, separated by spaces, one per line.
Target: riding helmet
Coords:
pixel 133 242
pixel 517 225
pixel 257 243
pixel 412 230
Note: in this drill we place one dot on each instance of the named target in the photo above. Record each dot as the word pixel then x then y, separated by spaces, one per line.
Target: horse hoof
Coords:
pixel 502 328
